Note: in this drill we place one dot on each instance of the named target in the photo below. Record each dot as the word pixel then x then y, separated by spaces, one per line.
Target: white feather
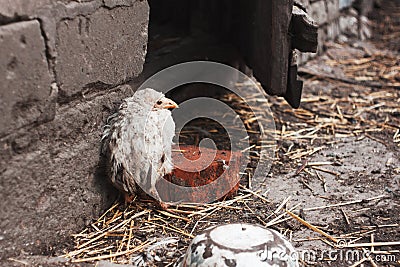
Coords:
pixel 137 139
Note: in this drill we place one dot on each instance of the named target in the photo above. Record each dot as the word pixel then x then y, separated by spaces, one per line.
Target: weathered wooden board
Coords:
pixel 264 41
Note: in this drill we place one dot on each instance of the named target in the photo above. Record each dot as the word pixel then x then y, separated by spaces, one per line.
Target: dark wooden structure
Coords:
pixel 262 34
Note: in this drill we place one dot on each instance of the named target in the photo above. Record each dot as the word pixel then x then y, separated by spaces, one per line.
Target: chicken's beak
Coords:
pixel 170 104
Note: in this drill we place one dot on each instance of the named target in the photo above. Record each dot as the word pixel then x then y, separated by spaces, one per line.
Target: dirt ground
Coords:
pixel 336 165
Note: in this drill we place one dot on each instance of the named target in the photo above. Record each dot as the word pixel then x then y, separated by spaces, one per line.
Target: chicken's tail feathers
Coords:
pixel 107 131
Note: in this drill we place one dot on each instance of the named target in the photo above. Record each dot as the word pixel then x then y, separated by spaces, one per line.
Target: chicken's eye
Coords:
pixel 159 102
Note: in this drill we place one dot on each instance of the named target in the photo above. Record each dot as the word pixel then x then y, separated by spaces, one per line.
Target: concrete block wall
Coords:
pixel 25 88
pixel 61 64
pixel 57 49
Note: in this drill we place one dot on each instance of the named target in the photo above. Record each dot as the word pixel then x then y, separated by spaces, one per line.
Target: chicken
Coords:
pixel 137 143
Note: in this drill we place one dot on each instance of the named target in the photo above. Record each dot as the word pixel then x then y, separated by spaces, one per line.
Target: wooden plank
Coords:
pixel 263 39
pixel 281 16
pixel 304 31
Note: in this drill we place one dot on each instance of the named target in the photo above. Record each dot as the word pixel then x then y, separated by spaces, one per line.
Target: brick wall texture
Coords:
pixel 61 64
pixel 55 49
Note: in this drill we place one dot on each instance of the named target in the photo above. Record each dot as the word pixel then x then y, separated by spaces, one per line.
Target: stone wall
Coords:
pixel 57 58
pixel 55 50
pixel 337 19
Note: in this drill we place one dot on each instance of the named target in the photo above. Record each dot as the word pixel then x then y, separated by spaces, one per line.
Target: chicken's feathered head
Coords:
pixel 156 100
